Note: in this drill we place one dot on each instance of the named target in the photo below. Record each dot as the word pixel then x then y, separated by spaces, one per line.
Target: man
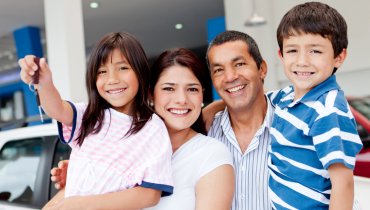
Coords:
pixel 238 71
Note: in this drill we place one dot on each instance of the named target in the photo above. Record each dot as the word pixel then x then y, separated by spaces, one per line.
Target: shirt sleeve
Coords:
pixel 215 154
pixel 335 135
pixel 68 134
pixel 158 173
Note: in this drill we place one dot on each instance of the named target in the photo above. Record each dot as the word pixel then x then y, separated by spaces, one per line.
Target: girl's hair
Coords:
pixel 185 58
pixel 132 50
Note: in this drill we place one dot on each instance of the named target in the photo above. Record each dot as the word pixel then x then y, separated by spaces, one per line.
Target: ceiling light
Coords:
pixel 255 19
pixel 179 26
pixel 94 5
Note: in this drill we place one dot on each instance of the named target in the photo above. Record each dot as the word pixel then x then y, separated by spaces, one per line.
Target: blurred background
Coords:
pixel 65 31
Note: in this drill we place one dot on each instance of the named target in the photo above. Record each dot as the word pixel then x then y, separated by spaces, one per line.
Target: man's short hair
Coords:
pixel 230 36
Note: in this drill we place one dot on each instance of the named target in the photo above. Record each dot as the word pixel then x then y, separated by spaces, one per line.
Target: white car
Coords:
pixel 26 157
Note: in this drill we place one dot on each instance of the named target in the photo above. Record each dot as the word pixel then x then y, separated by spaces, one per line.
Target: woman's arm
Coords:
pixel 59 174
pixel 134 198
pixel 342 191
pixel 215 190
pixel 50 98
pixel 54 201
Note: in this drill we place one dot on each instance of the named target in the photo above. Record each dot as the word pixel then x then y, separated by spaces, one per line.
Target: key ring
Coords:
pixel 32 87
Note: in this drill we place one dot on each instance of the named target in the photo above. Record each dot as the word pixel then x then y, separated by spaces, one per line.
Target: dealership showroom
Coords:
pixel 65 33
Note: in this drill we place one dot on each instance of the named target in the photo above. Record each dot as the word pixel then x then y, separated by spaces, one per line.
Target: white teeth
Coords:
pixel 303 73
pixel 115 91
pixel 179 111
pixel 234 89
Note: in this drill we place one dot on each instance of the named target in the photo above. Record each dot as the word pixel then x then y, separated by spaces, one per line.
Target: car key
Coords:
pixel 35 81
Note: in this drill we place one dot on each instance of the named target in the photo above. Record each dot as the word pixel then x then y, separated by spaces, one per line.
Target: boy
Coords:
pixel 314 138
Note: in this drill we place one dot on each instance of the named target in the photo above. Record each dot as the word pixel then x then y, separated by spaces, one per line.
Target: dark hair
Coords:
pixel 185 58
pixel 132 50
pixel 314 18
pixel 230 36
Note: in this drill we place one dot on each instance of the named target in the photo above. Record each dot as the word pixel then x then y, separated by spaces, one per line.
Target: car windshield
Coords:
pixel 362 105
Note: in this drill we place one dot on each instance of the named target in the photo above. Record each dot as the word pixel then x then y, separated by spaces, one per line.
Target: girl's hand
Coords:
pixel 28 68
pixel 59 174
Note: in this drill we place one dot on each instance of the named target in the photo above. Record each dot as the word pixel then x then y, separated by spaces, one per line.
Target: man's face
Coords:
pixel 235 75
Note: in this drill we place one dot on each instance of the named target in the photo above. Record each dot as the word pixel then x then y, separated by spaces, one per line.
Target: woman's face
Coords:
pixel 178 97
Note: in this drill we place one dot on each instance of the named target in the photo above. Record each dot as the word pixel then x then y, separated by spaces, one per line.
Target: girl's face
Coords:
pixel 117 82
pixel 178 96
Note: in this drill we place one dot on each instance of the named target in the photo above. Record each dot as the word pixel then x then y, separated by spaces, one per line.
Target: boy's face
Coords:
pixel 308 60
pixel 235 75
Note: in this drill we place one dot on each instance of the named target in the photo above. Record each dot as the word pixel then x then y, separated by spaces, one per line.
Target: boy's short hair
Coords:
pixel 314 18
pixel 230 36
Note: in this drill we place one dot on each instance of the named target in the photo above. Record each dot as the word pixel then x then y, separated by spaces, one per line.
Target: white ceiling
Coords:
pixel 151 21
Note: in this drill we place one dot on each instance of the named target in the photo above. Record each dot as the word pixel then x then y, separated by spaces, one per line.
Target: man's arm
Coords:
pixel 342 191
pixel 210 111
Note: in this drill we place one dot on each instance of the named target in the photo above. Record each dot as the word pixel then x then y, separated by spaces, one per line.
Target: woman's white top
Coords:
pixel 194 159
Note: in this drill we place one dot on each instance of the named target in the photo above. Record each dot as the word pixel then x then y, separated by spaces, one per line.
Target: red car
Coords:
pixel 360 108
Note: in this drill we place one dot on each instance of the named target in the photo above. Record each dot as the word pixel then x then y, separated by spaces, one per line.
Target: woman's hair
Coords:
pixel 132 50
pixel 185 58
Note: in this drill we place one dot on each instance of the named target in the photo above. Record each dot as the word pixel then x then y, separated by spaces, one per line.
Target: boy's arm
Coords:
pixel 50 98
pixel 210 111
pixel 342 191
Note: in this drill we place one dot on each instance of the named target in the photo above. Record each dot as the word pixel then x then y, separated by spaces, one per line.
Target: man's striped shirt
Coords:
pixel 251 170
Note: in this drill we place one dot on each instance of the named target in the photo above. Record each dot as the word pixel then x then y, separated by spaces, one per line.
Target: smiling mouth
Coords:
pixel 179 111
pixel 116 91
pixel 303 74
pixel 235 89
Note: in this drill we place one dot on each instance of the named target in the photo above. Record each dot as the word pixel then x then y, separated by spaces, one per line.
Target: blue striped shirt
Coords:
pixel 307 136
pixel 251 170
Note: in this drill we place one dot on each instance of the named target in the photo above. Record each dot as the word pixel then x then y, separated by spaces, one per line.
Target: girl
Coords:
pixel 202 166
pixel 117 143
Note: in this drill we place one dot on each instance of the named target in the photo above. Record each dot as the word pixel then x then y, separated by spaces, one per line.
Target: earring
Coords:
pixel 151 104
pixel 202 105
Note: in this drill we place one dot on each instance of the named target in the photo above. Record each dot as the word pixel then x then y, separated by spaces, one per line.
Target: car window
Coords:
pixel 62 152
pixel 362 106
pixel 19 161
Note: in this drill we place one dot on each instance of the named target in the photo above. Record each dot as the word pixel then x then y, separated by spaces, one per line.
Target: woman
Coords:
pixel 202 167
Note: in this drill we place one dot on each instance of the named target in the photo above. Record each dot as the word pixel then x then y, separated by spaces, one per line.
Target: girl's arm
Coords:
pixel 215 190
pixel 342 191
pixel 134 198
pixel 50 99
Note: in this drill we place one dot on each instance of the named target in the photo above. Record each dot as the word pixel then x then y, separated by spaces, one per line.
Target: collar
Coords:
pixel 226 122
pixel 312 95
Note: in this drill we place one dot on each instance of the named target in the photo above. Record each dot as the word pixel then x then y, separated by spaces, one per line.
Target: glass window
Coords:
pixel 19 161
pixel 62 152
